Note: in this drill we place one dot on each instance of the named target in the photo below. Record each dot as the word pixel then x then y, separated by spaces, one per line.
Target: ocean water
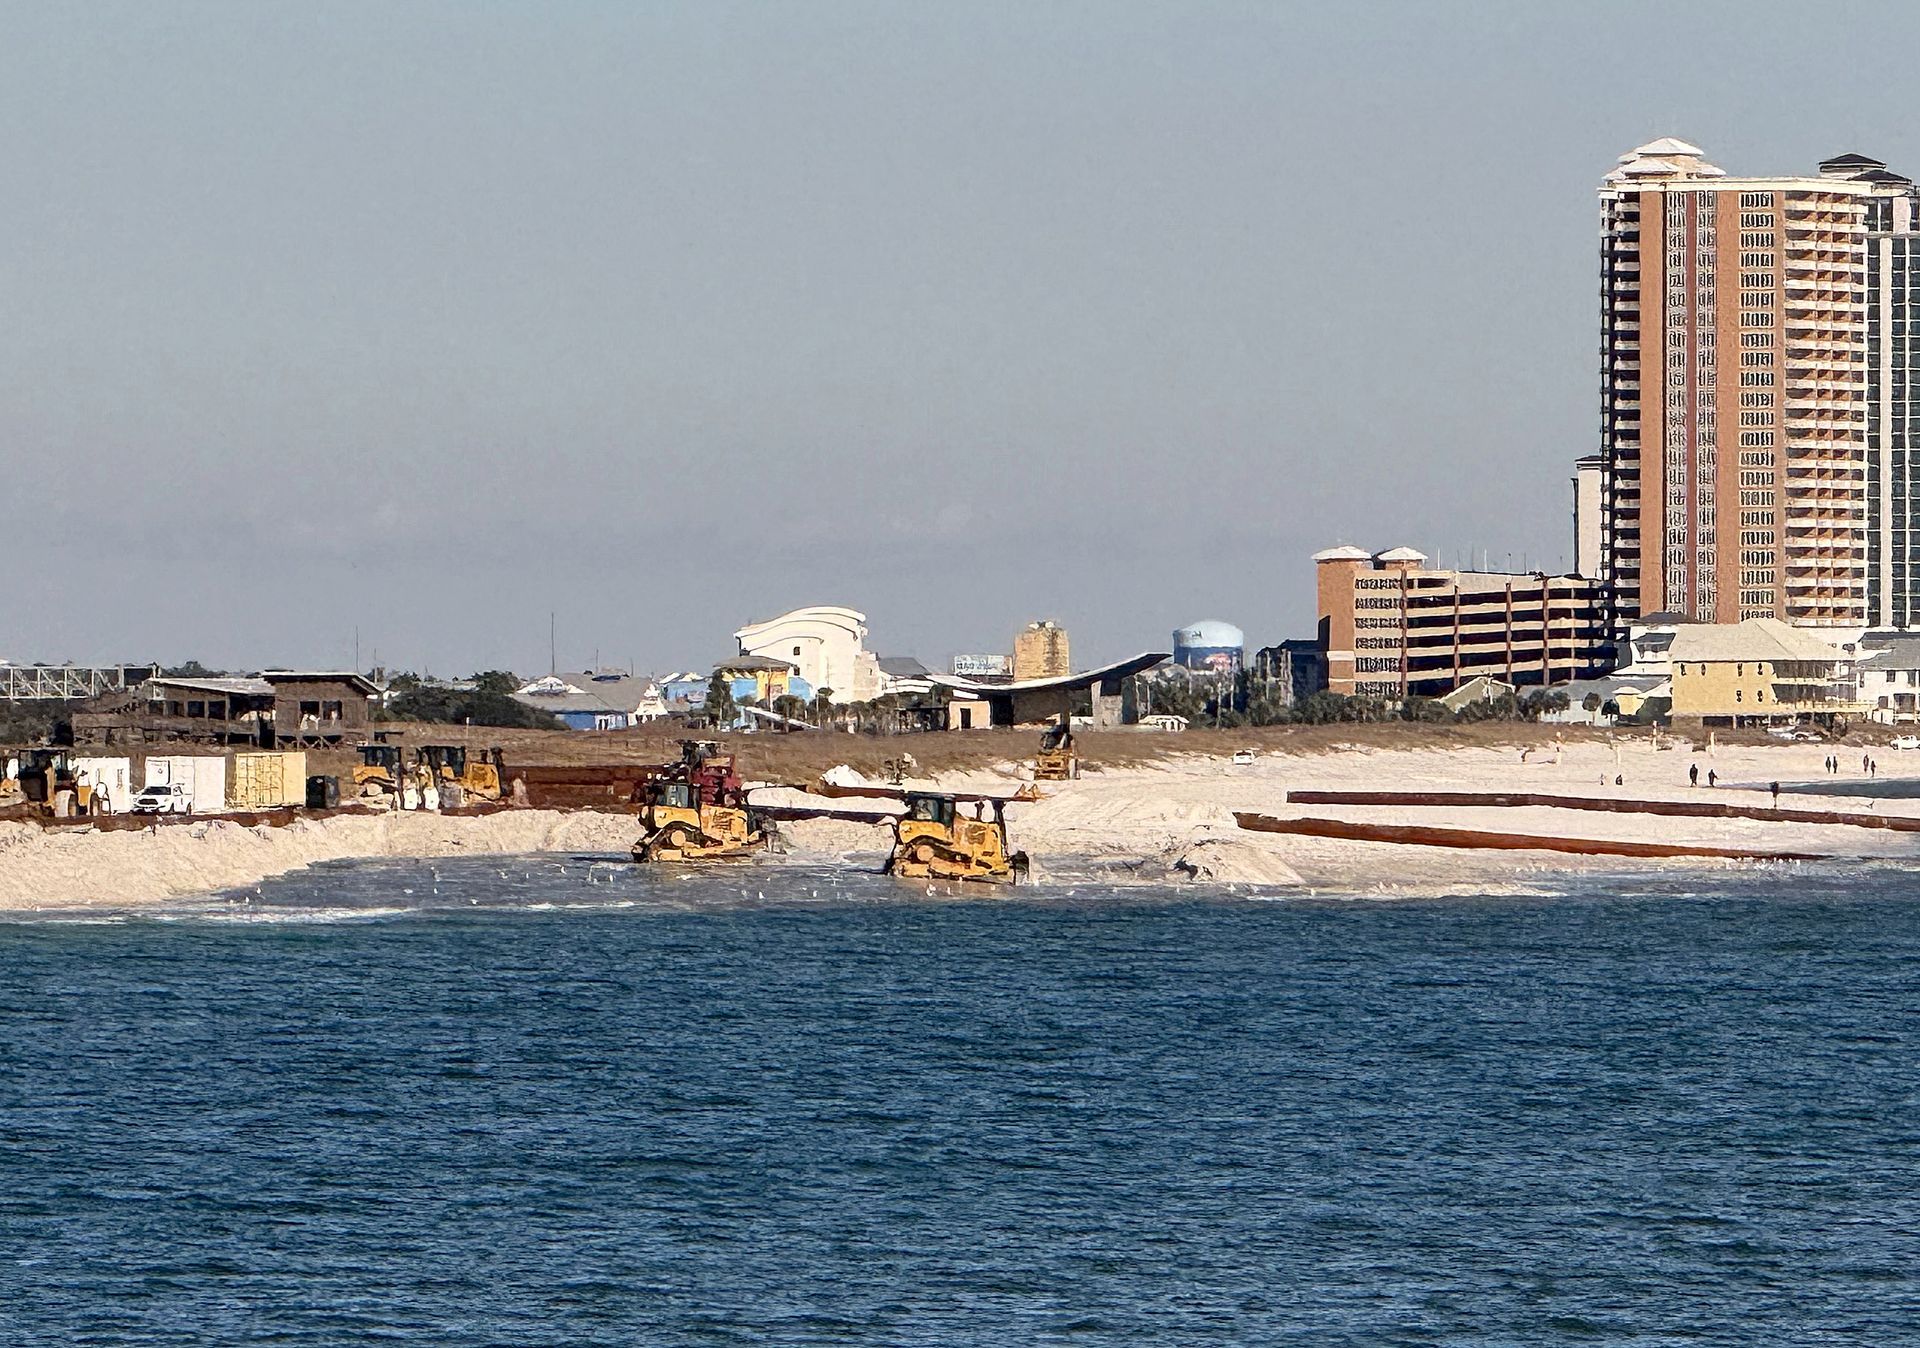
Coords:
pixel 551 1103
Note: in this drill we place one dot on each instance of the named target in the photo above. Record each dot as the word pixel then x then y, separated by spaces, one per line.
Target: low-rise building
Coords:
pixel 1649 649
pixel 1478 689
pixel 1392 627
pixel 1758 672
pixel 761 678
pixel 278 708
pixel 685 690
pixel 1887 676
pixel 905 677
pixel 1613 699
pixel 594 699
pixel 825 644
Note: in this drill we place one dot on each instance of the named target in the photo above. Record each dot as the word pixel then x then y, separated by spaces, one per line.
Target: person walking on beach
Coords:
pixel 1693 774
pixel 1775 788
pixel 1873 767
pixel 1866 763
pixel 1713 777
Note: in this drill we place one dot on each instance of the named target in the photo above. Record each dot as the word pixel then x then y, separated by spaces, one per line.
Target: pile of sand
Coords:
pixel 1230 861
pixel 42 868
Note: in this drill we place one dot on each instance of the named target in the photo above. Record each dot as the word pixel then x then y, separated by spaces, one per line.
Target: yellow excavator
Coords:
pixel 696 810
pixel 933 840
pixel 1057 761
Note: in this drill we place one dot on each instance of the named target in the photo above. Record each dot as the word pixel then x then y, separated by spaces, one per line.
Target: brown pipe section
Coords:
pixel 1688 809
pixel 1423 836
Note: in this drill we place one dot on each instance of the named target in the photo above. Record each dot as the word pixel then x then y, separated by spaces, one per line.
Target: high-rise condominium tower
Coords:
pixel 1893 403
pixel 1735 385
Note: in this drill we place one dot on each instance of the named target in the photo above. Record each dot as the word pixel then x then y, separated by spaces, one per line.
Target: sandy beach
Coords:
pixel 1151 823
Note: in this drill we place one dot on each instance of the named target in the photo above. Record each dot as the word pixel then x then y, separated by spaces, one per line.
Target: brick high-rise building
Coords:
pixel 1735 387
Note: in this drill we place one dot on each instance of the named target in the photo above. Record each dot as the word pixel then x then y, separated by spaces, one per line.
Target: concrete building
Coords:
pixel 1758 672
pixel 1734 364
pixel 827 645
pixel 1293 670
pixel 1040 651
pixel 1589 548
pixel 1392 627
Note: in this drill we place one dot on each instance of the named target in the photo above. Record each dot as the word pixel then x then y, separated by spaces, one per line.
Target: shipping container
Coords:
pixel 267 781
pixel 111 780
pixel 204 777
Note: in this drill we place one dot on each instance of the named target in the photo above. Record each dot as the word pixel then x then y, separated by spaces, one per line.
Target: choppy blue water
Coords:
pixel 797 1108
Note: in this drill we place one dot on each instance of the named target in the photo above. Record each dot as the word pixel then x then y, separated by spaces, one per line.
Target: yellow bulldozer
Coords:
pixel 933 840
pixel 45 783
pixel 696 810
pixel 477 776
pixel 380 770
pixel 391 775
pixel 1057 761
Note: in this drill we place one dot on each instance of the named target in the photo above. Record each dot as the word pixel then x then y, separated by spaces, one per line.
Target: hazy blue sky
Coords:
pixel 432 318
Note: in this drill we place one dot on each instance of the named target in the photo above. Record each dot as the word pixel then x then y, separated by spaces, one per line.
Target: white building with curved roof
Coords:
pixel 828 645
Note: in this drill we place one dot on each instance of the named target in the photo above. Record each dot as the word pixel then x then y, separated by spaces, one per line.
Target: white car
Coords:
pixel 163 799
pixel 1907 742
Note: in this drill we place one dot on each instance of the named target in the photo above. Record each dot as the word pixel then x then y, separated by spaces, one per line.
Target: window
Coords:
pixel 330 711
pixel 196 709
pixel 310 708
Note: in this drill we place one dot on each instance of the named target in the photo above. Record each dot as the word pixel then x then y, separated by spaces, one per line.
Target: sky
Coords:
pixel 426 326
